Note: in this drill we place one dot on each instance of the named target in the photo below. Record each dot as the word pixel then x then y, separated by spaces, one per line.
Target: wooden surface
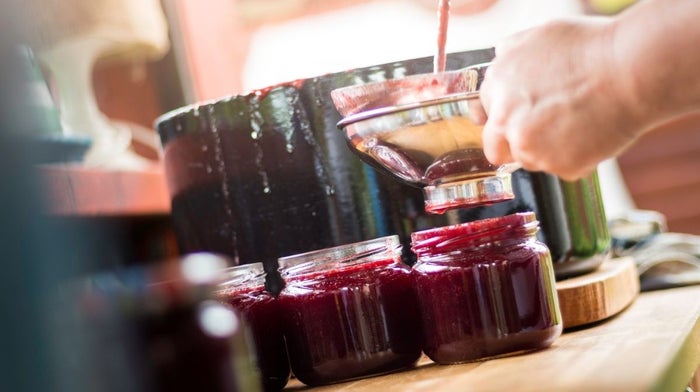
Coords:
pixel 654 345
pixel 76 190
pixel 598 295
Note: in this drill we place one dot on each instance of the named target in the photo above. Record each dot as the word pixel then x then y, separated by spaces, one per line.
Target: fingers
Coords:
pixel 477 113
pixel 496 146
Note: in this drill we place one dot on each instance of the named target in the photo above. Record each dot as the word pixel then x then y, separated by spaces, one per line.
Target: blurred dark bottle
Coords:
pixel 160 329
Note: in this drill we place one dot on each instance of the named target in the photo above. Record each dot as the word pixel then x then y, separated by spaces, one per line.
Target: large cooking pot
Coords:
pixel 268 174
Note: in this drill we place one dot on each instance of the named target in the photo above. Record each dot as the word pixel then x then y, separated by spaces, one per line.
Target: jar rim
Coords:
pixel 339 256
pixel 244 275
pixel 477 226
pixel 442 239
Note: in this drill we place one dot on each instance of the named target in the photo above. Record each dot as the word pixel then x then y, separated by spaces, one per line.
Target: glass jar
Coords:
pixel 244 289
pixel 164 330
pixel 485 289
pixel 350 312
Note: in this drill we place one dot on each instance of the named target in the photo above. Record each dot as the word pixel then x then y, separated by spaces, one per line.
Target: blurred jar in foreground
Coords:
pixel 350 312
pixel 485 289
pixel 161 329
pixel 244 289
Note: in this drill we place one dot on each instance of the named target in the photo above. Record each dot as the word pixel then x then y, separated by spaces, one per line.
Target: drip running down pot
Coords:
pixel 418 130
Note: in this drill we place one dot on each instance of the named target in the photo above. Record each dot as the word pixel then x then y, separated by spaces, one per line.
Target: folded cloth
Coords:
pixel 663 259
pixel 666 260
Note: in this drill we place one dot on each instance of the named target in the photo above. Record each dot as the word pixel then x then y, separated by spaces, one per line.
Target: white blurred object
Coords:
pixel 616 197
pixel 71 36
pixel 382 32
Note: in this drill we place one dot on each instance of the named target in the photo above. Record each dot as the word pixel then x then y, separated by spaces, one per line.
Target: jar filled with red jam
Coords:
pixel 485 289
pixel 350 312
pixel 244 289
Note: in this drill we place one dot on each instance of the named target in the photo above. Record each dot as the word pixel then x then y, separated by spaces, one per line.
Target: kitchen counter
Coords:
pixel 73 189
pixel 654 345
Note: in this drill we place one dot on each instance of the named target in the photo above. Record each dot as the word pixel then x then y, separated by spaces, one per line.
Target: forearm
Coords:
pixel 657 47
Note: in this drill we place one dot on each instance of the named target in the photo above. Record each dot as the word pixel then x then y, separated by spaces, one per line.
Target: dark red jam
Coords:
pixel 350 312
pixel 245 291
pixel 485 289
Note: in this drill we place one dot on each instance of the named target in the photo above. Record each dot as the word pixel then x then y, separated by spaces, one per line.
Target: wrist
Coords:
pixel 631 78
pixel 623 83
pixel 654 49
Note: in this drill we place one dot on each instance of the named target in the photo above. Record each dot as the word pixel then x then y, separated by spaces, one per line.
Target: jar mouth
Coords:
pixel 339 257
pixel 243 276
pixel 449 238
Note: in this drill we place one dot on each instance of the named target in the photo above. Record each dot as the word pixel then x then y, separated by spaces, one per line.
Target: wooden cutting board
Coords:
pixel 600 294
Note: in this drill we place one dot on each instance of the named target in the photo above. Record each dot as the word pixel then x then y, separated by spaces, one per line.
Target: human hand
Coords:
pixel 555 100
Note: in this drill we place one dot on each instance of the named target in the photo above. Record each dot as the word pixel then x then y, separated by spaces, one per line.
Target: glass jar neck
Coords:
pixel 470 236
pixel 246 276
pixel 340 257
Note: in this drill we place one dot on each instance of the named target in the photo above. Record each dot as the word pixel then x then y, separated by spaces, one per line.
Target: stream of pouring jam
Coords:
pixel 443 18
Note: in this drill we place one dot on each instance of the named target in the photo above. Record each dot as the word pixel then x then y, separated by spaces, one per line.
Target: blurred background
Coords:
pixel 152 57
pixel 83 82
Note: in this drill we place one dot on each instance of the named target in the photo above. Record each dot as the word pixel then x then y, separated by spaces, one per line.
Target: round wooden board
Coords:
pixel 600 294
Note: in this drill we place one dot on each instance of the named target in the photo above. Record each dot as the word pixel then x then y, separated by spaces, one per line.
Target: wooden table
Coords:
pixel 654 345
